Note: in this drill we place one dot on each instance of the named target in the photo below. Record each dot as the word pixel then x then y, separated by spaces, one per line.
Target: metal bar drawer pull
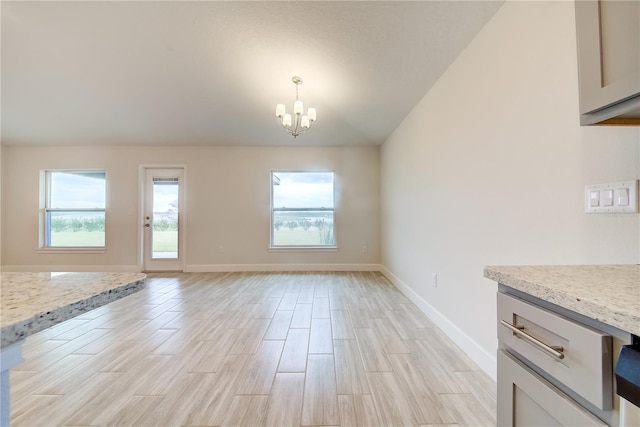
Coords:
pixel 554 350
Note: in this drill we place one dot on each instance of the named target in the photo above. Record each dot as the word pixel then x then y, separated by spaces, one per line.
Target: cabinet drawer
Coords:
pixel 584 361
pixel 526 399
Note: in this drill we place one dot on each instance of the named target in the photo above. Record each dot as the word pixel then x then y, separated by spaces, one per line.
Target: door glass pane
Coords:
pixel 165 218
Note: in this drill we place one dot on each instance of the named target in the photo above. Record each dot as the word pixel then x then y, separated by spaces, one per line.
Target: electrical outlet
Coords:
pixel 434 280
pixel 365 249
pixel 221 249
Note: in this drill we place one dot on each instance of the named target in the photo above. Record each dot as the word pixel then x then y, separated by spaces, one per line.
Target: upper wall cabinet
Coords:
pixel 608 33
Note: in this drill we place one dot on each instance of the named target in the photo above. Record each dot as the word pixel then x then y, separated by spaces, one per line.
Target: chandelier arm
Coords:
pixel 297 122
pixel 288 129
pixel 302 130
pixel 292 130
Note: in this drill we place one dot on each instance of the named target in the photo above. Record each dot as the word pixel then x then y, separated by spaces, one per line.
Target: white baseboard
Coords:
pixel 219 268
pixel 80 268
pixel 485 360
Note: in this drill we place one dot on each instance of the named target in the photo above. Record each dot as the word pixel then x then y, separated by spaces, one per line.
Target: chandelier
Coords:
pixel 299 123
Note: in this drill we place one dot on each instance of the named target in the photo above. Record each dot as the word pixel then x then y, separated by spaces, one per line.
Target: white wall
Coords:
pixel 489 169
pixel 0 205
pixel 228 197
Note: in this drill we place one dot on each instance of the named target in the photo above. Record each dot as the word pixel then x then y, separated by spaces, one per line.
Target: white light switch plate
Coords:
pixel 604 203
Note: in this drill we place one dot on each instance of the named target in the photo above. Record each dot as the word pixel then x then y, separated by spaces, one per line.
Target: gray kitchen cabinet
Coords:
pixel 608 36
pixel 585 364
pixel 526 399
pixel 552 370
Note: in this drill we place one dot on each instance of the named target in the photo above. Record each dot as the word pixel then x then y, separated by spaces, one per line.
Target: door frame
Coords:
pixel 182 208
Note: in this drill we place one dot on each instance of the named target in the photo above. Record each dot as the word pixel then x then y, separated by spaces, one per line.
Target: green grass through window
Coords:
pixel 77 238
pixel 165 241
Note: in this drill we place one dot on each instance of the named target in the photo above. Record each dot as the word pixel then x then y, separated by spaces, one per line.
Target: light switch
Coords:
pixel 612 198
pixel 623 196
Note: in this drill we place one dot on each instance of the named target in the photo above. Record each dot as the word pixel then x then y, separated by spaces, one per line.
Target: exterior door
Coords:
pixel 163 219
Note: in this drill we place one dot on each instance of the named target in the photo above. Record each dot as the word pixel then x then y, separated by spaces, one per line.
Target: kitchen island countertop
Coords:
pixel 607 293
pixel 31 302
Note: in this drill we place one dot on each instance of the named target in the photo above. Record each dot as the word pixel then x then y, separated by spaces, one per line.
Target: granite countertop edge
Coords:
pixel 609 314
pixel 18 331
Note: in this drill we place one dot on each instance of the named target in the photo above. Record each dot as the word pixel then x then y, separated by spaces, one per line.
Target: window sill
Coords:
pixel 72 250
pixel 303 248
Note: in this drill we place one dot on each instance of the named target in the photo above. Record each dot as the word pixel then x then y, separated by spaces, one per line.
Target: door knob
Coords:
pixel 147 225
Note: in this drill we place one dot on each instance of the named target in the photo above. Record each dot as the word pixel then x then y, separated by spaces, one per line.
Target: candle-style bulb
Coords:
pixel 286 120
pixel 312 114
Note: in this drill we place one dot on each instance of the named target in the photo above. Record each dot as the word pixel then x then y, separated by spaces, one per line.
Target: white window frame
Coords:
pixel 46 210
pixel 273 209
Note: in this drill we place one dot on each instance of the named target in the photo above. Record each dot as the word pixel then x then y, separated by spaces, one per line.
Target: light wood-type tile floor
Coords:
pixel 251 349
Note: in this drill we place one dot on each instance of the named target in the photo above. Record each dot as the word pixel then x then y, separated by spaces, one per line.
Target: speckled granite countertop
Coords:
pixel 607 293
pixel 31 302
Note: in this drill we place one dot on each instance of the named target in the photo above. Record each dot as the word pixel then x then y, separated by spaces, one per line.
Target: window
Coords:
pixel 74 209
pixel 302 209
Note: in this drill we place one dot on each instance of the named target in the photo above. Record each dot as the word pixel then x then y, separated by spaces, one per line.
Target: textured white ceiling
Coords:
pixel 210 73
